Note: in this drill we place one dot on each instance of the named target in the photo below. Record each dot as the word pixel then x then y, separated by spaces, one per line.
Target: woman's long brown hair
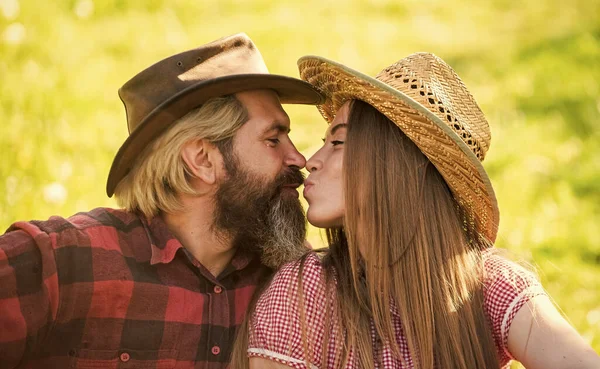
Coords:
pixel 405 241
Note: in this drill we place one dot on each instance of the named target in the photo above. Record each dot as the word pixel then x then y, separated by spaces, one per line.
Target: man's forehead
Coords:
pixel 260 100
pixel 269 122
pixel 264 105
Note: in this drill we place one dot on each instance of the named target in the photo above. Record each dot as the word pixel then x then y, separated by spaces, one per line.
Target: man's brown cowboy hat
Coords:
pixel 169 89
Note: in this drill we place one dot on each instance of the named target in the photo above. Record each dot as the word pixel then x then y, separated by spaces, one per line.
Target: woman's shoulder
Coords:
pixel 294 302
pixel 308 271
pixel 499 269
pixel 310 263
pixel 507 287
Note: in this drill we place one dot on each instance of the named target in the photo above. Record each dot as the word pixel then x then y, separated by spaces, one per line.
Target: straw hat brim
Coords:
pixel 290 91
pixel 455 161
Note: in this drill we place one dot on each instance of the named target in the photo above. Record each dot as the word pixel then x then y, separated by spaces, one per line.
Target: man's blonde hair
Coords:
pixel 159 174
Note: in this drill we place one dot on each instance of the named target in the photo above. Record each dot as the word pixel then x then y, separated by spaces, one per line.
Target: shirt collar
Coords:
pixel 164 246
pixel 163 243
pixel 240 260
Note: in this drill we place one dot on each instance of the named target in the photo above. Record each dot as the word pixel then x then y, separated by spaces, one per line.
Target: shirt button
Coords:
pixel 124 357
pixel 218 289
pixel 216 350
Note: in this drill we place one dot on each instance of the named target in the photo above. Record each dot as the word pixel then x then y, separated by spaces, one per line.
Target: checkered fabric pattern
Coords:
pixel 275 331
pixel 109 289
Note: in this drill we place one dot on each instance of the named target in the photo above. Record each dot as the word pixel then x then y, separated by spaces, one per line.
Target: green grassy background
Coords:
pixel 534 67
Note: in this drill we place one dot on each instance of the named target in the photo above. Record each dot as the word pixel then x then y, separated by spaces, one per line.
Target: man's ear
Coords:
pixel 202 159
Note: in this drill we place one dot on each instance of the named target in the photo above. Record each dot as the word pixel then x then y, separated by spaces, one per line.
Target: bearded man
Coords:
pixel 207 180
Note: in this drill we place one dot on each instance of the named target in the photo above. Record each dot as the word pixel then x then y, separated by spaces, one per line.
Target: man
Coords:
pixel 207 179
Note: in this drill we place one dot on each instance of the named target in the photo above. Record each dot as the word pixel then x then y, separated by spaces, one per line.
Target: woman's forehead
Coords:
pixel 341 117
pixel 342 112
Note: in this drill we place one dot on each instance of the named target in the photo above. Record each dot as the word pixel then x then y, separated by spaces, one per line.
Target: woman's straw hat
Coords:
pixel 430 104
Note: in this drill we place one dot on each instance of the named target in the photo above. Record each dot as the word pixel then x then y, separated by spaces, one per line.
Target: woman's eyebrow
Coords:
pixel 338 126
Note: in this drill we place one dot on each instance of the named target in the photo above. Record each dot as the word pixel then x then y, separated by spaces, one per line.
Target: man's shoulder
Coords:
pixel 83 229
pixel 100 217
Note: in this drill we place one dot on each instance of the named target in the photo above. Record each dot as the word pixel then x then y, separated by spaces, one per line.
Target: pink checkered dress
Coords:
pixel 276 329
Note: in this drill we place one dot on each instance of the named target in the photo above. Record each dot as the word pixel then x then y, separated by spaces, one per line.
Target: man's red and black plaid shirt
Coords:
pixel 109 289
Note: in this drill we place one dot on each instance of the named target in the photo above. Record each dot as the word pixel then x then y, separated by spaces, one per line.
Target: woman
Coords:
pixel 410 279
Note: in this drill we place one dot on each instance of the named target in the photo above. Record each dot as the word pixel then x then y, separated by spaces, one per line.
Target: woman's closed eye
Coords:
pixel 333 142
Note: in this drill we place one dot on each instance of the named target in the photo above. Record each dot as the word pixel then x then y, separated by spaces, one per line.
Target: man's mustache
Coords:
pixel 290 177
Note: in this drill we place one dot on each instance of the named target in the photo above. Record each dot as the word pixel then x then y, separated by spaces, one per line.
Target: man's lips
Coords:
pixel 291 188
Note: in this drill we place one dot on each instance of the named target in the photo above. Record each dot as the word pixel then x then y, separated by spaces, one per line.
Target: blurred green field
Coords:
pixel 534 67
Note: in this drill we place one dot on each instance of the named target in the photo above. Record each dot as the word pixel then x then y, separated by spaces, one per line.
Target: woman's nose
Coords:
pixel 313 163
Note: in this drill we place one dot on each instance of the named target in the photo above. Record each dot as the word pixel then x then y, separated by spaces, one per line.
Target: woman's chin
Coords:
pixel 323 221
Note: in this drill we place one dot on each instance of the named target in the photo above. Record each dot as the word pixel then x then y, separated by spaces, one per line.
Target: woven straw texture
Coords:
pixel 429 102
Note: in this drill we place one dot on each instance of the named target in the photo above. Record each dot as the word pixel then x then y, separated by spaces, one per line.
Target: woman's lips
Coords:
pixel 307 186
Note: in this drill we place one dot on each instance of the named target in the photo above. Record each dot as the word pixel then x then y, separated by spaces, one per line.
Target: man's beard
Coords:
pixel 259 217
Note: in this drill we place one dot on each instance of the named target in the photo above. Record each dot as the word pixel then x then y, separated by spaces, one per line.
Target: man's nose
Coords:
pixel 295 158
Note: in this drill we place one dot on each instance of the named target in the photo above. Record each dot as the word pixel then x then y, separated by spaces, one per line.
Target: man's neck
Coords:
pixel 193 228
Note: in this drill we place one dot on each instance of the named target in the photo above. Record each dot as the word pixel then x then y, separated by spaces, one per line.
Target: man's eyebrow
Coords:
pixel 338 126
pixel 279 127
